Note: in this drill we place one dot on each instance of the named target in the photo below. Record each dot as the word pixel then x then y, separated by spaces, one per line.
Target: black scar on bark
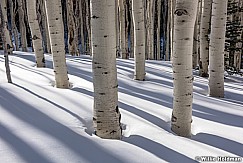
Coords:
pixel 117 110
pixel 180 12
pixel 173 118
pixel 95 17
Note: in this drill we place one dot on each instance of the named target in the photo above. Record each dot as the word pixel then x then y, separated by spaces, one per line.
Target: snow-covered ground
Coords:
pixel 42 124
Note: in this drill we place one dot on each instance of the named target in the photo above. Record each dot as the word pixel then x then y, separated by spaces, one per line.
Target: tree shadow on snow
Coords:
pixel 74 142
pixel 159 150
pixel 220 143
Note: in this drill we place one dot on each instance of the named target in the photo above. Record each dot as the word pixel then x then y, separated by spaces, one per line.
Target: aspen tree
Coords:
pixel 216 48
pixel 184 20
pixel 106 117
pixel 56 33
pixel 35 32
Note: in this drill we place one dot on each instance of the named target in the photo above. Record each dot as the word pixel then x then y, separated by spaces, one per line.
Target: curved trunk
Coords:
pixel 35 33
pixel 56 33
pixel 216 48
pixel 106 113
pixel 204 43
pixel 184 21
pixel 139 39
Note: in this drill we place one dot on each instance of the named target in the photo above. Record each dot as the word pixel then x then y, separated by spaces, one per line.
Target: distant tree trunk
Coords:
pixel 4 37
pixel 13 24
pixel 216 48
pixel 106 112
pixel 7 43
pixel 151 14
pixel 168 32
pixel 184 21
pixel 122 29
pixel 72 41
pixel 204 37
pixel 35 32
pixel 139 39
pixel 158 29
pixel 88 41
pixel 22 26
pixel 81 24
pixel 56 32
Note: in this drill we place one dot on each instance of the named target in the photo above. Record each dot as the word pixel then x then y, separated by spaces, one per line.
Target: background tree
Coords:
pixel 56 32
pixel 35 32
pixel 216 48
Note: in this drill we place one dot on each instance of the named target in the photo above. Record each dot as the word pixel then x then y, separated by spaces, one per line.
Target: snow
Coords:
pixel 43 124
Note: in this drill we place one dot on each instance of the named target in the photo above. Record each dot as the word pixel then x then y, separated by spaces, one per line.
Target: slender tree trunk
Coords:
pixel 168 32
pixel 88 42
pixel 22 26
pixel 106 112
pixel 139 39
pixel 184 21
pixel 204 37
pixel 216 48
pixel 81 24
pixel 4 37
pixel 56 32
pixel 7 43
pixel 158 29
pixel 13 24
pixel 122 29
pixel 35 32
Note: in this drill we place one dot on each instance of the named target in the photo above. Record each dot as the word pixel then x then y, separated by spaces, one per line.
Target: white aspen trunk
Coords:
pixel 13 24
pixel 44 21
pixel 122 30
pixel 7 38
pixel 35 33
pixel 204 37
pixel 6 46
pixel 173 3
pixel 56 32
pixel 158 29
pixel 216 48
pixel 117 29
pixel 22 26
pixel 184 21
pixel 106 112
pixel 151 28
pixel 139 39
pixel 131 32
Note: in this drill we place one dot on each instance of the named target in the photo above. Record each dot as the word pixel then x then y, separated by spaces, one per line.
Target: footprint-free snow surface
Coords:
pixel 43 124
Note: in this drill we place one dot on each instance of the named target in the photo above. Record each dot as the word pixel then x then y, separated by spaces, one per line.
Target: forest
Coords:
pixel 121 81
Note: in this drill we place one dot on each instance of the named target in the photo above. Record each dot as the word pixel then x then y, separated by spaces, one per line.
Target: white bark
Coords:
pixel 13 24
pixel 122 30
pixel 184 20
pixel 168 33
pixel 216 48
pixel 139 39
pixel 7 42
pixel 56 33
pixel 158 29
pixel 204 39
pixel 106 113
pixel 35 33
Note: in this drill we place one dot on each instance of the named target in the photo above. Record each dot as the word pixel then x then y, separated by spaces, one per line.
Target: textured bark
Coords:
pixel 168 32
pixel 7 37
pixel 22 26
pixel 3 36
pixel 56 32
pixel 81 24
pixel 88 41
pixel 139 39
pixel 151 12
pixel 72 35
pixel 158 29
pixel 13 24
pixel 106 113
pixel 184 20
pixel 204 39
pixel 216 48
pixel 122 29
pixel 35 32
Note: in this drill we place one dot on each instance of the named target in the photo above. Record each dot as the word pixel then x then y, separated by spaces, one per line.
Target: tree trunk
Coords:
pixel 168 32
pixel 56 32
pixel 204 37
pixel 106 113
pixel 139 39
pixel 13 24
pixel 22 26
pixel 184 20
pixel 6 46
pixel 35 32
pixel 122 29
pixel 7 43
pixel 216 48
pixel 158 29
